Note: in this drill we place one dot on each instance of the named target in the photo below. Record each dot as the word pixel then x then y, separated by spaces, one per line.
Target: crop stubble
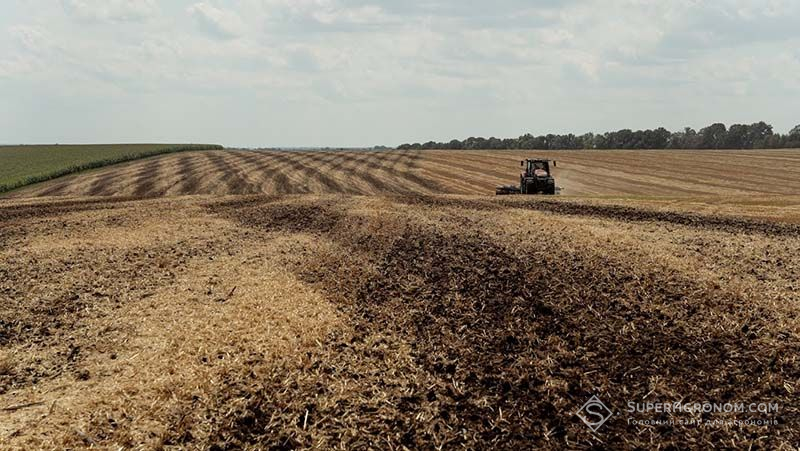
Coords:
pixel 437 320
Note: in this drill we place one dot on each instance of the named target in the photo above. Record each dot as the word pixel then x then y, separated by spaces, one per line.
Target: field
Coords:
pixel 614 173
pixel 228 300
pixel 25 165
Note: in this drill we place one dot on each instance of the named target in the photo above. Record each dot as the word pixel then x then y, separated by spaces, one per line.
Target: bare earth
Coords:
pixel 279 308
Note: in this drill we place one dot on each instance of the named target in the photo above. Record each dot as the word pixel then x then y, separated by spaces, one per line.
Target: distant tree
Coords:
pixel 455 145
pixel 793 138
pixel 526 141
pixel 493 143
pixel 682 140
pixel 717 136
pixel 587 141
pixel 660 138
pixel 737 137
pixel 713 136
pixel 604 141
pixel 776 141
pixel 757 135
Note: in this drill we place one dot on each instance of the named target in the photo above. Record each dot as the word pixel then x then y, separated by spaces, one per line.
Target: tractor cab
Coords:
pixel 536 168
pixel 536 178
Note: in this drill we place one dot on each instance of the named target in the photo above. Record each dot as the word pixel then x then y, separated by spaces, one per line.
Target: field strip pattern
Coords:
pixel 621 173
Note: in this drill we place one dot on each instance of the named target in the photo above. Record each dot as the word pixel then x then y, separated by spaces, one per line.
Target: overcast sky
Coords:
pixel 359 72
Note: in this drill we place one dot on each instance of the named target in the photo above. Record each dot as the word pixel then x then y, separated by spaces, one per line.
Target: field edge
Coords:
pixel 168 149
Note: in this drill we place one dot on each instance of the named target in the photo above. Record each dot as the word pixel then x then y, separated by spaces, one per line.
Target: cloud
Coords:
pixel 412 69
pixel 217 22
pixel 31 38
pixel 111 10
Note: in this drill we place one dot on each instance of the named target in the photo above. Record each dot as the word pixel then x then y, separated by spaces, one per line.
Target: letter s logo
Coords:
pixel 595 411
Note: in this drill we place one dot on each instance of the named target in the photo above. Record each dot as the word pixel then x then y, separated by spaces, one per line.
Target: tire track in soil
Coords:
pixel 488 319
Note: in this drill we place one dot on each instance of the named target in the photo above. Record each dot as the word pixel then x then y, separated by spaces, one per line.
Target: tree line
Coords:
pixel 716 136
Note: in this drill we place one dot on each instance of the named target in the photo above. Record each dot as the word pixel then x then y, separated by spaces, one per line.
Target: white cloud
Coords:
pixel 216 21
pixel 111 10
pixel 381 71
pixel 368 14
pixel 32 38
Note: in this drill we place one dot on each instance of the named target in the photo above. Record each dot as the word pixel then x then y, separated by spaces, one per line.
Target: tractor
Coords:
pixel 535 179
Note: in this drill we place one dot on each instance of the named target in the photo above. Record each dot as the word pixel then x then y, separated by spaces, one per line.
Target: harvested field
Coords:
pixel 598 173
pixel 406 320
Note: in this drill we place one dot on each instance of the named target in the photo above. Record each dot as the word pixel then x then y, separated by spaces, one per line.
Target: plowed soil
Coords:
pixel 399 321
pixel 614 173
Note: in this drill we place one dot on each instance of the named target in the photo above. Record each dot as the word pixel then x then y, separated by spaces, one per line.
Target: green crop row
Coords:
pixel 25 165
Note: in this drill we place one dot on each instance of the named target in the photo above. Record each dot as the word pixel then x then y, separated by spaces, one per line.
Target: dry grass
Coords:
pixel 126 372
pixel 7 364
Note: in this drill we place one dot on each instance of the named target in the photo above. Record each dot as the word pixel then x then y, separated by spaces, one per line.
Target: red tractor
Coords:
pixel 535 179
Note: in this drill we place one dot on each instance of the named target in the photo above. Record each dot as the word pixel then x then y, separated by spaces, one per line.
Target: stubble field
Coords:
pixel 388 300
pixel 581 173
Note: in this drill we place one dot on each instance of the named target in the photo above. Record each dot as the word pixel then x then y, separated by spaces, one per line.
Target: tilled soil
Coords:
pixel 531 332
pixel 416 322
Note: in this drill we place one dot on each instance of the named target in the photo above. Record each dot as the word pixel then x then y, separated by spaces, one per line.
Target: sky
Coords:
pixel 275 73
